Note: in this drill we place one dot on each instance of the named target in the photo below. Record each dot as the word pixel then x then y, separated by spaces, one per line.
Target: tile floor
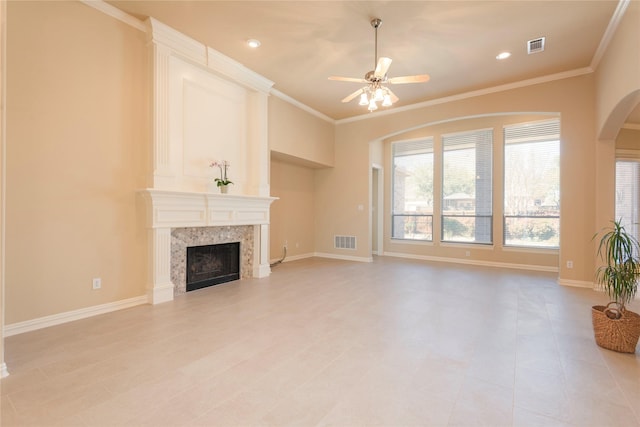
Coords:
pixel 333 343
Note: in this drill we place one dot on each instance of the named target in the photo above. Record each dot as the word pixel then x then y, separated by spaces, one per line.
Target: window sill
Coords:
pixel 525 249
pixel 412 242
pixel 468 245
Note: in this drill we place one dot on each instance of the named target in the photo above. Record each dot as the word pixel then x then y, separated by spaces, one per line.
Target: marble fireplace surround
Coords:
pixel 183 238
pixel 203 218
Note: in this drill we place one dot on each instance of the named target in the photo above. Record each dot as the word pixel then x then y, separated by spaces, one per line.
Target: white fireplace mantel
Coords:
pixel 168 209
pixel 172 209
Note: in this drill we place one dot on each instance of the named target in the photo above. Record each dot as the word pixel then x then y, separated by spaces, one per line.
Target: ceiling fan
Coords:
pixel 375 91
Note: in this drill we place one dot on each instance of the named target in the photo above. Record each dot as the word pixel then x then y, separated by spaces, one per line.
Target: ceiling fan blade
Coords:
pixel 421 78
pixel 353 95
pixel 347 79
pixel 382 67
pixel 393 96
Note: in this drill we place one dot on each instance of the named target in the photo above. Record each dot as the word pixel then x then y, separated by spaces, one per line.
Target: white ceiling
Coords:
pixel 456 42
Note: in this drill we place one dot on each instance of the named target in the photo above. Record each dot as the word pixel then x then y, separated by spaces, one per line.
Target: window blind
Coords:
pixel 467 186
pixel 412 189
pixel 628 194
pixel 532 184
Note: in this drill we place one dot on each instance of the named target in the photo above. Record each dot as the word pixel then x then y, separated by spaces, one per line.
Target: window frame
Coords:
pixel 490 132
pixel 429 216
pixel 627 155
pixel 505 217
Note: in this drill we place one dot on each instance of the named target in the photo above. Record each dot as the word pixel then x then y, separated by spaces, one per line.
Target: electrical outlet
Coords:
pixel 569 264
pixel 467 253
pixel 97 283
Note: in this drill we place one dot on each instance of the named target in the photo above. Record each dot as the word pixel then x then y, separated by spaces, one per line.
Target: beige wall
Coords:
pixel 617 93
pixel 618 75
pixel 340 190
pixel 628 139
pixel 293 215
pixel 300 144
pixel 76 154
pixel 77 151
pixel 296 134
pixel 3 9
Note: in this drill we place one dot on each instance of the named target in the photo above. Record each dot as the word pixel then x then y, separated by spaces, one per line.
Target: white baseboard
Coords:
pixel 292 258
pixel 261 271
pixel 160 293
pixel 4 372
pixel 343 257
pixel 577 283
pixel 474 262
pixel 70 316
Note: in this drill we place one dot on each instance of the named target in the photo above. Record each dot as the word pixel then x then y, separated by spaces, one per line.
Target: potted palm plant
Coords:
pixel 615 327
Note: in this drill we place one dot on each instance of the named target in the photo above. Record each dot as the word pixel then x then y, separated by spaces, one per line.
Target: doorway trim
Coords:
pixel 377 211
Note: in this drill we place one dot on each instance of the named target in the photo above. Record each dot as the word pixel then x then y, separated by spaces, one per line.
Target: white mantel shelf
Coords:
pixel 172 209
pixel 168 209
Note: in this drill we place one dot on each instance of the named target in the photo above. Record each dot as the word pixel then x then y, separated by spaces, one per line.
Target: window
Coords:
pixel 467 187
pixel 532 184
pixel 412 216
pixel 628 194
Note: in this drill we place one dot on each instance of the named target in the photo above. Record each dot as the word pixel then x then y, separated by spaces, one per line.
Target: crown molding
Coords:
pixel 472 94
pixel 116 13
pixel 226 66
pixel 616 18
pixel 162 34
pixel 302 106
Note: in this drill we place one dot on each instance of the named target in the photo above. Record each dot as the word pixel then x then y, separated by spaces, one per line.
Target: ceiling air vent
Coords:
pixel 535 45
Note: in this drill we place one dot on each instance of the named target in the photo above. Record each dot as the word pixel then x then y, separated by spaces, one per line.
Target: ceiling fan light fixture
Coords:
pixel 378 95
pixel 375 90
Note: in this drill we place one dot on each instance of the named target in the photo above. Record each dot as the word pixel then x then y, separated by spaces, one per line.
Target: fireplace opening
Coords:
pixel 212 264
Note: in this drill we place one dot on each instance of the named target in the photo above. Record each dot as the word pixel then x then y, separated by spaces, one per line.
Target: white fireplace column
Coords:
pixel 161 289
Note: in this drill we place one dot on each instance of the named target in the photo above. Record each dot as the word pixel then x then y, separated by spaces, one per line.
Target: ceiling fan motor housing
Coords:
pixel 371 77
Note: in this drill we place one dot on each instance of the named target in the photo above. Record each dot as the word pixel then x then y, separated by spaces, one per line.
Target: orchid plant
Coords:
pixel 223 165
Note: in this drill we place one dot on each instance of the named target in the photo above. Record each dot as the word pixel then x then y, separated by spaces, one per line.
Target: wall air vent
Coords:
pixel 344 242
pixel 535 45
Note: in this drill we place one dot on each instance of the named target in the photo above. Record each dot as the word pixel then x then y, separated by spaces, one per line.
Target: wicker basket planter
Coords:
pixel 614 327
pixel 617 334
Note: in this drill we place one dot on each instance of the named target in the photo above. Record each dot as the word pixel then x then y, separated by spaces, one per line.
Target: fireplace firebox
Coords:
pixel 212 264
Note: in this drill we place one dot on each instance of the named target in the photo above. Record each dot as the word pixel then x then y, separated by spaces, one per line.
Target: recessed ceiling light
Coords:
pixel 253 43
pixel 503 55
